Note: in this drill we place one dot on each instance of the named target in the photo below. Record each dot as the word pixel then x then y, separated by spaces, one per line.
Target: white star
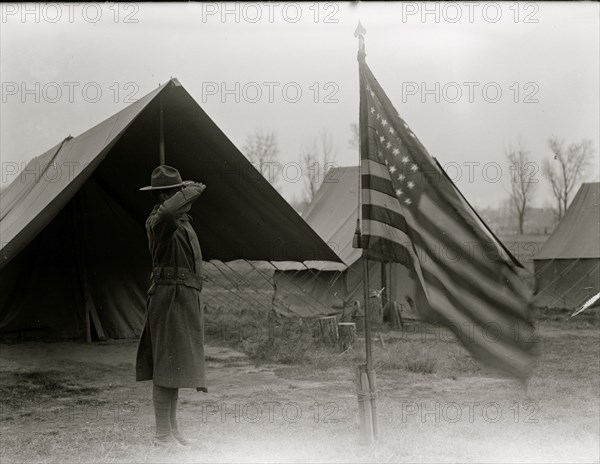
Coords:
pixel 405 159
pixel 391 130
pixel 414 167
pixel 382 139
pixel 372 93
pixel 372 109
pixel 410 184
pixel 384 122
pixel 407 201
pixel 388 145
pixel 398 192
pixel 396 152
pixel 386 162
pixel 401 177
pixel 392 169
pixel 379 155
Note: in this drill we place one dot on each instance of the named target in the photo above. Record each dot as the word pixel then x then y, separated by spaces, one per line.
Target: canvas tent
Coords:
pixel 567 267
pixel 72 234
pixel 324 290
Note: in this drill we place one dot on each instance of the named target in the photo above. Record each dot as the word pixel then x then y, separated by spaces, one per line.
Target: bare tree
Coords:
pixel 567 170
pixel 522 181
pixel 316 159
pixel 261 149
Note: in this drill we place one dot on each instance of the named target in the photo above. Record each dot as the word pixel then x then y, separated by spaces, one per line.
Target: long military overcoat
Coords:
pixel 171 348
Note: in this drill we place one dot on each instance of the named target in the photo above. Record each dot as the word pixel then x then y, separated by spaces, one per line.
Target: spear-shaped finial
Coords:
pixel 360 33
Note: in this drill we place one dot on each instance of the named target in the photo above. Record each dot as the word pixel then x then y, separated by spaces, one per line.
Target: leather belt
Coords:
pixel 176 276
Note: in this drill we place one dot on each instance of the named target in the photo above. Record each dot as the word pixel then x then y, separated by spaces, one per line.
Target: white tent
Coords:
pixel 325 289
pixel 567 268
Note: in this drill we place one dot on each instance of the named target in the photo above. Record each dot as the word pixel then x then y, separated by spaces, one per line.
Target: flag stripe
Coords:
pixel 482 227
pixel 386 231
pixel 438 219
pixel 381 214
pixel 454 226
pixel 379 184
pixel 462 274
pixel 373 197
pixel 509 357
pixel 385 250
pixel 477 307
pixel 441 232
pixel 370 167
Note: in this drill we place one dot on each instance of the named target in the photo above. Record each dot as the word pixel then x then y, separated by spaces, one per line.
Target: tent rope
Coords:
pixel 568 268
pixel 270 279
pixel 227 297
pixel 318 307
pixel 574 285
pixel 258 303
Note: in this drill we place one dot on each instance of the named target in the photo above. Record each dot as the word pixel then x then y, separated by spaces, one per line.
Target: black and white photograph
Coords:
pixel 300 232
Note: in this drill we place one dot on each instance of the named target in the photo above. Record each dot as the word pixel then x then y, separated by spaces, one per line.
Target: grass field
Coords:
pixel 286 397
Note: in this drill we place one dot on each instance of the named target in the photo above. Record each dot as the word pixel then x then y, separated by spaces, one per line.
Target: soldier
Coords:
pixel 171 348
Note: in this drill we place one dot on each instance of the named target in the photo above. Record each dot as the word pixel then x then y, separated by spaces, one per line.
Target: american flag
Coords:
pixel 413 214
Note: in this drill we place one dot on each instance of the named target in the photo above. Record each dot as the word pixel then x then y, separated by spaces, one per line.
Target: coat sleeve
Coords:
pixel 164 222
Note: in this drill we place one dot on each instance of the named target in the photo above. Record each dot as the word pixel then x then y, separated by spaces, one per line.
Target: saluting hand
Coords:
pixel 199 185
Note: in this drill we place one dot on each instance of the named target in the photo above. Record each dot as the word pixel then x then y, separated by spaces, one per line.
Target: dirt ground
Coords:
pixel 73 402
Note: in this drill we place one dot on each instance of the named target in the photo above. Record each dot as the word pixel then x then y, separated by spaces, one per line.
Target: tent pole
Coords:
pixel 162 133
pixel 91 315
pixel 88 327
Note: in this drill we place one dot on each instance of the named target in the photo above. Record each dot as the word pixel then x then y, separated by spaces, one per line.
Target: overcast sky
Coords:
pixel 442 68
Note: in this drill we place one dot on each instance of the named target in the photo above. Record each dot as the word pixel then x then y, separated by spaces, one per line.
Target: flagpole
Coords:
pixel 360 31
pixel 368 342
pixel 371 388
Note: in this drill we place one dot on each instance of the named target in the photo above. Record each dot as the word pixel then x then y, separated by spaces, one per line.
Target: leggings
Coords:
pixel 165 410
